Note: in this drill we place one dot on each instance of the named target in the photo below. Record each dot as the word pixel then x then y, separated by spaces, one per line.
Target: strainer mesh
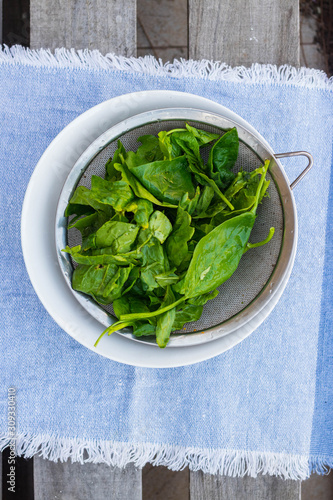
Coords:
pixel 255 267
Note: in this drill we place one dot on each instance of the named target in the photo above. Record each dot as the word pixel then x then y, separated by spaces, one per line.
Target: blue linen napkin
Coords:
pixel 265 405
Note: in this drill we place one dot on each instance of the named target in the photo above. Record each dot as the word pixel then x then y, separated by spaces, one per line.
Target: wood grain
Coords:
pixel 67 481
pixel 208 487
pixel 241 32
pixel 94 24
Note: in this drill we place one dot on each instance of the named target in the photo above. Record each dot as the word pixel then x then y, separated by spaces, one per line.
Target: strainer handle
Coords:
pixel 307 168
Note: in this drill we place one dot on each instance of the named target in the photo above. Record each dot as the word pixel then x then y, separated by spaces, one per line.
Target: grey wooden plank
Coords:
pixel 209 487
pixel 67 481
pixel 93 24
pixel 318 487
pixel 165 24
pixel 0 476
pixel 159 482
pixel 241 32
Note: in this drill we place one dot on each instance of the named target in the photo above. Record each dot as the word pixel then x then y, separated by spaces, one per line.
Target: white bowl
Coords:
pixel 38 238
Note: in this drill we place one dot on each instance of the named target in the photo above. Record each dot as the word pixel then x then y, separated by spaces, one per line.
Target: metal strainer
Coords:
pixel 261 270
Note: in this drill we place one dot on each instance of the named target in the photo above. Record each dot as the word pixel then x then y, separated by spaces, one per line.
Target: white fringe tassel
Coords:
pixel 210 70
pixel 225 462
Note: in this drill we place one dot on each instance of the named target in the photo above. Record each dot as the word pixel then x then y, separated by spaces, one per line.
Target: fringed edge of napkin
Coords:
pixel 183 68
pixel 234 463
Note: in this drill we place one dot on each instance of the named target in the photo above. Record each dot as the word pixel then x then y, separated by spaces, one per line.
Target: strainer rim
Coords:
pixel 284 261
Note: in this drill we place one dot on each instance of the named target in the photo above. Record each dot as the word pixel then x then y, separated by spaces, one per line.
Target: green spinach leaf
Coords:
pixel 120 236
pixel 159 226
pixel 187 314
pixel 165 320
pixel 84 203
pixel 104 283
pixel 182 232
pixel 149 150
pixel 142 210
pixel 167 180
pixel 202 136
pixel 139 190
pixel 111 173
pixel 103 257
pixel 223 156
pixel 117 194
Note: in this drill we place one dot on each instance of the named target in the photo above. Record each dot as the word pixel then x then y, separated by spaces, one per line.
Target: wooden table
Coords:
pixel 237 32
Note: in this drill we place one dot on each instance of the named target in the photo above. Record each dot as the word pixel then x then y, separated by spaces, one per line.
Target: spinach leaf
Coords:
pixel 167 278
pixel 144 329
pixel 104 283
pixel 192 310
pixel 139 190
pixel 103 257
pixel 87 226
pixel 153 264
pixel 202 136
pixel 169 149
pixel 120 236
pixel 187 314
pixel 159 226
pixel 217 255
pixel 239 182
pixel 182 232
pixel 130 304
pixel 117 194
pixel 205 180
pixel 243 195
pixel 83 223
pixel 165 320
pixel 223 156
pixel 246 196
pixel 111 173
pixel 205 199
pixel 142 210
pixel 149 150
pixel 167 180
pixel 83 203
pixel 189 144
pixel 102 194
pixel 201 300
pixel 188 204
pixel 204 210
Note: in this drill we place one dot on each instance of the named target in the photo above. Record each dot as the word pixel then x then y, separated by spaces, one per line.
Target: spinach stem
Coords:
pixel 118 325
pixel 138 316
pixel 262 179
pixel 261 243
pixel 226 201
pixel 176 130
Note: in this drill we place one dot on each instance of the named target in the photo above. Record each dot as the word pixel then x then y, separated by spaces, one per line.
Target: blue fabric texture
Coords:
pixel 268 402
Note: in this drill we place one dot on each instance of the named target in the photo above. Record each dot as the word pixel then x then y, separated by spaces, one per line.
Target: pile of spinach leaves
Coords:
pixel 164 229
